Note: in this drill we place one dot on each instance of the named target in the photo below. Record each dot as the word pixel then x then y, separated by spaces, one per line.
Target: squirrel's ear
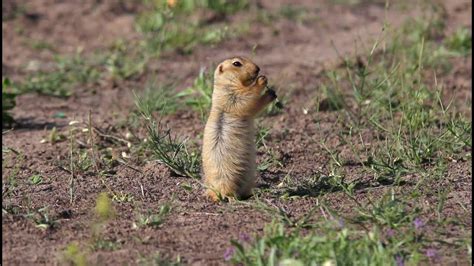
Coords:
pixel 220 69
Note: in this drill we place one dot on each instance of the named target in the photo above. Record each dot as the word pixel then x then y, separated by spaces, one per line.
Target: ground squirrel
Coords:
pixel 229 151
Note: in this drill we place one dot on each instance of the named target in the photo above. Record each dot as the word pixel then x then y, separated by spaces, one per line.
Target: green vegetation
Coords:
pixel 460 42
pixel 104 244
pixel 387 231
pixel 103 208
pixel 40 45
pixel 73 255
pixel 121 197
pixel 77 253
pixel 270 159
pixel 36 179
pixel 10 183
pixel 8 102
pixel 68 72
pixel 173 24
pixel 165 25
pixel 414 128
pixel 392 95
pixel 154 220
pixel 405 111
pixel 53 136
pixel 313 186
pixel 333 99
pixel 262 133
pixel 167 148
pixel 124 61
pixel 278 106
pixel 338 246
pixel 293 13
pixel 41 218
pixel 385 167
pixel 199 95
pixel 160 99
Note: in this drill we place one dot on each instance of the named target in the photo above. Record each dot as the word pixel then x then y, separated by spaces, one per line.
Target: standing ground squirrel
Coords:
pixel 229 152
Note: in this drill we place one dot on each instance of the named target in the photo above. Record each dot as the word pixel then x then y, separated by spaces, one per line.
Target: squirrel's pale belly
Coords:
pixel 229 152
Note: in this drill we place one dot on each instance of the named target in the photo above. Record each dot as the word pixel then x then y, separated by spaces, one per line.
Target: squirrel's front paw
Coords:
pixel 271 93
pixel 262 81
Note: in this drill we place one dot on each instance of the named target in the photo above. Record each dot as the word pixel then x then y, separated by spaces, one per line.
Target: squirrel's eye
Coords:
pixel 237 64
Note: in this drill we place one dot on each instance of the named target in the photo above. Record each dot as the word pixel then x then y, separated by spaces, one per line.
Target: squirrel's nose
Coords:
pixel 257 70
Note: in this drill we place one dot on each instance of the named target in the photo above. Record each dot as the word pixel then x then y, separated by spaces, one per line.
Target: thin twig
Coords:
pixel 91 140
pixel 129 166
pixel 100 133
pixel 71 166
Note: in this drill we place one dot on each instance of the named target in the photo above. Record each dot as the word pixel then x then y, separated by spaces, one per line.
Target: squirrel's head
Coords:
pixel 236 70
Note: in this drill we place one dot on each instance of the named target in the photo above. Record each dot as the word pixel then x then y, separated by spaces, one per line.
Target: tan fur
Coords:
pixel 229 152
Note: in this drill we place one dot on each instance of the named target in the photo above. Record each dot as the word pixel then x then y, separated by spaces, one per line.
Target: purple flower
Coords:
pixel 399 260
pixel 418 223
pixel 228 253
pixel 244 237
pixel 432 254
pixel 389 232
pixel 339 222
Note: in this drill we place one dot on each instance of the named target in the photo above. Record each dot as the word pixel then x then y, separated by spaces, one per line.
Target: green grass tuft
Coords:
pixel 160 99
pixel 199 95
pixel 124 61
pixel 166 148
pixel 72 254
pixel 460 42
pixel 154 220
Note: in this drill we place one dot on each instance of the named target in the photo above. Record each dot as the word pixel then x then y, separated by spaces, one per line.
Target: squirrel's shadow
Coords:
pixel 29 123
pixel 319 185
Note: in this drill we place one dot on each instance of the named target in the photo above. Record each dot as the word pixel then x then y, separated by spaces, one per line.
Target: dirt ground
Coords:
pixel 197 230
